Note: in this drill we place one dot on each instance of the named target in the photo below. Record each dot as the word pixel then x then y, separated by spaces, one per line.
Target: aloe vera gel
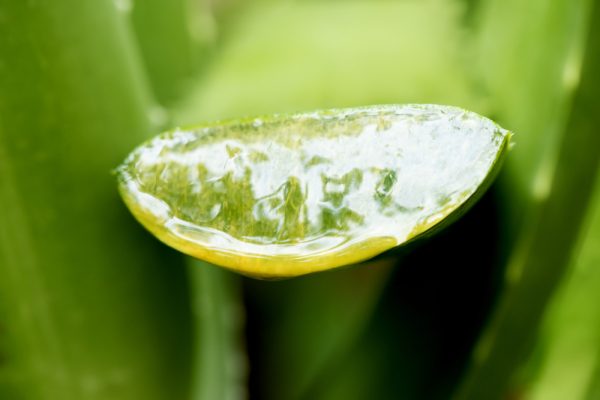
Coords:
pixel 287 195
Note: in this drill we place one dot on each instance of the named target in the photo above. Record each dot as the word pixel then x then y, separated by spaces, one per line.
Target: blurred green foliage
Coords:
pixel 502 304
pixel 90 308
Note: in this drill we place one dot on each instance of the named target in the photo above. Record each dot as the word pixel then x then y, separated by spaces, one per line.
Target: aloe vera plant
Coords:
pixel 92 307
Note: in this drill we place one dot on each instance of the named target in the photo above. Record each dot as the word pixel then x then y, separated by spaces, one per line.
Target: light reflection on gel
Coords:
pixel 308 186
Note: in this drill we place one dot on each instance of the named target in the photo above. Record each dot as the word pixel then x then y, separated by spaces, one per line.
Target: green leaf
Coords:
pixel 172 35
pixel 293 194
pixel 569 345
pixel 540 260
pixel 90 307
pixel 219 368
pixel 335 54
pixel 529 57
pixel 311 334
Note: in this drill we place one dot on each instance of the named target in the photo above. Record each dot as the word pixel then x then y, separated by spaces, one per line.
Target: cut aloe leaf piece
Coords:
pixel 286 195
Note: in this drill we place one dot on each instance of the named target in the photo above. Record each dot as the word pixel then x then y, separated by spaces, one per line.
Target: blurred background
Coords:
pixel 503 304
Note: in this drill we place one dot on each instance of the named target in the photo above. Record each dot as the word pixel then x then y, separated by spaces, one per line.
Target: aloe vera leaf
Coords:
pixel 172 36
pixel 569 344
pixel 309 333
pixel 356 375
pixel 335 55
pixel 594 387
pixel 288 195
pixel 90 307
pixel 219 368
pixel 528 58
pixel 544 252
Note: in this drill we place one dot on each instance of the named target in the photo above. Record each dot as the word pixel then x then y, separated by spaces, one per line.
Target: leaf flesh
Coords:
pixel 287 195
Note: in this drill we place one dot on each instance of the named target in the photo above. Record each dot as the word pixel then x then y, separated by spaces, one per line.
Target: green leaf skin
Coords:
pixel 287 195
pixel 90 307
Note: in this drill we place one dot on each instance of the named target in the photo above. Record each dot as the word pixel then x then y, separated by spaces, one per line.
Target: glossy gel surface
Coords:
pixel 287 195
